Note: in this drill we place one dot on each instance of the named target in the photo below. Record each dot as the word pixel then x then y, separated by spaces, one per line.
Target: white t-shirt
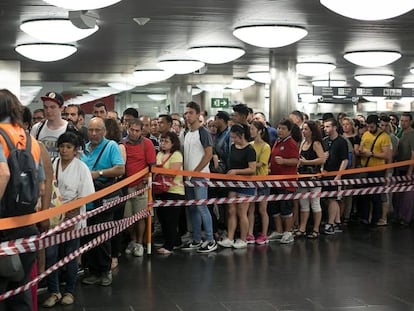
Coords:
pixel 74 182
pixel 194 144
pixel 49 137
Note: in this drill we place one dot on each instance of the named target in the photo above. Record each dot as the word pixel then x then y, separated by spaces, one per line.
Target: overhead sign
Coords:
pixel 362 91
pixel 220 103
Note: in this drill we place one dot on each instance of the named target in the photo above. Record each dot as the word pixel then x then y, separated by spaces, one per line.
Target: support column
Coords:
pixel 10 76
pixel 283 88
pixel 178 98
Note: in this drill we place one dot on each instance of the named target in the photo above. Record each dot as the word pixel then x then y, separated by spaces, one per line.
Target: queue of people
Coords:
pixel 85 158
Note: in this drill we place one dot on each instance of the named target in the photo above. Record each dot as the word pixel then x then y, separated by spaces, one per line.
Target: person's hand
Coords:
pixel 279 160
pixel 44 225
pixel 231 172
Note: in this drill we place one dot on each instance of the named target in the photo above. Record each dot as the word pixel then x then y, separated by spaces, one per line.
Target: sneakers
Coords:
pixel 52 300
pixel 338 227
pixel 91 280
pixel 250 239
pixel 106 278
pixel 67 299
pixel 287 238
pixel 240 244
pixel 382 222
pixel 191 245
pixel 329 229
pixel 262 239
pixel 275 236
pixel 138 250
pixel 207 247
pixel 130 248
pixel 226 243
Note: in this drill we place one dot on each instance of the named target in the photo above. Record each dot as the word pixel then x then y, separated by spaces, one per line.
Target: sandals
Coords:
pixel 313 235
pixel 300 234
pixel 163 251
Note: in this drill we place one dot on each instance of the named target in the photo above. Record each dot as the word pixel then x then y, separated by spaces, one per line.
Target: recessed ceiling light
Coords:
pixel 215 54
pixel 369 9
pixel 372 58
pixel 270 36
pixel 55 30
pixel 75 5
pixel 46 52
pixel 313 69
pixel 374 79
pixel 260 76
pixel 180 66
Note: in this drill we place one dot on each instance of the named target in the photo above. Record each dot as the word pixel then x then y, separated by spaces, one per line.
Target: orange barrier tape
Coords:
pixel 20 221
pixel 160 170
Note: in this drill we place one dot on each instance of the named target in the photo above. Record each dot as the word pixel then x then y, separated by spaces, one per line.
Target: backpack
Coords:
pixel 22 191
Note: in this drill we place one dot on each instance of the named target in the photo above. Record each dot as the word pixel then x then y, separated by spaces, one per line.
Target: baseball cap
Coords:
pixel 55 97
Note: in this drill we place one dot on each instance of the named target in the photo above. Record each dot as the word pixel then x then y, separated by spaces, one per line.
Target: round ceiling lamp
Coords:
pixel 374 79
pixel 270 36
pixel 408 85
pixel 313 69
pixel 121 86
pixel 145 76
pixel 77 5
pixel 157 97
pixel 46 52
pixel 369 9
pixel 56 30
pixel 240 84
pixel 196 91
pixel 372 58
pixel 329 83
pixel 260 76
pixel 180 66
pixel 215 54
pixel 211 87
pixel 412 70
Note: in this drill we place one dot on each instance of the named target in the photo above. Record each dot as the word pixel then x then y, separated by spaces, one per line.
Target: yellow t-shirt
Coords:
pixel 175 157
pixel 366 142
pixel 262 156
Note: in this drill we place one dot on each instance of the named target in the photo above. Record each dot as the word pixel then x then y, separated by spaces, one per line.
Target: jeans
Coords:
pixel 200 215
pixel 71 267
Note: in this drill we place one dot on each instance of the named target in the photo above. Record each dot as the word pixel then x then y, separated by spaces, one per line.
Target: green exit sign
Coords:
pixel 219 103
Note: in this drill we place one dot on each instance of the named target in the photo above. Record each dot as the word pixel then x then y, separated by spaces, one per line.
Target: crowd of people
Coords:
pixel 83 158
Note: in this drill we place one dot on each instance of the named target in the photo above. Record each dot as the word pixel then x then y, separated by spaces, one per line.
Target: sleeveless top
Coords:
pixel 309 154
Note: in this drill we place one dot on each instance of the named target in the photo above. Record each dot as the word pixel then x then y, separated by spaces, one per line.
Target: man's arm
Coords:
pixel 114 171
pixel 205 160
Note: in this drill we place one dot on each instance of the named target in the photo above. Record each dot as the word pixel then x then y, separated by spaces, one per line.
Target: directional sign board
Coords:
pixel 220 103
pixel 362 91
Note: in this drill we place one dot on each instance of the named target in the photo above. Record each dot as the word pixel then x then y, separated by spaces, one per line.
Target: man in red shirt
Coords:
pixel 140 153
pixel 283 161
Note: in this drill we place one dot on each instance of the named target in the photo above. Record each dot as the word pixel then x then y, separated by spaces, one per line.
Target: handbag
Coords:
pixel 11 268
pixel 161 182
pixel 56 199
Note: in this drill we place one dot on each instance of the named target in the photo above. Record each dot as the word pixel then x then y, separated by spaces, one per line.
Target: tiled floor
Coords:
pixel 354 270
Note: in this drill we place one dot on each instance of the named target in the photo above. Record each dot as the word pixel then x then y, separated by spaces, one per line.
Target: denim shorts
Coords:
pixel 244 191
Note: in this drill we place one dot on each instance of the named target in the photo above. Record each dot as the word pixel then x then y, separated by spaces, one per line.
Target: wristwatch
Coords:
pixel 100 173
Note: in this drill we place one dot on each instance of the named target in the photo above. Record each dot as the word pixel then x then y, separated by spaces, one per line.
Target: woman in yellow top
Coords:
pixel 171 157
pixel 259 133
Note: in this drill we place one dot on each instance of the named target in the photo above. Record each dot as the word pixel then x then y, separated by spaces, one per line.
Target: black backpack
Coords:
pixel 22 191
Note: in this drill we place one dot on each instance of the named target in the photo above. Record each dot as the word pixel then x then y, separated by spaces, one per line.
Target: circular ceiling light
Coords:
pixel 313 69
pixel 270 36
pixel 215 54
pixel 121 86
pixel 180 66
pixel 77 5
pixel 260 76
pixel 369 9
pixel 412 70
pixel 55 30
pixel 145 76
pixel 408 85
pixel 372 58
pixel 196 91
pixel 240 84
pixel 157 97
pixel 374 79
pixel 211 87
pixel 329 83
pixel 374 98
pixel 46 52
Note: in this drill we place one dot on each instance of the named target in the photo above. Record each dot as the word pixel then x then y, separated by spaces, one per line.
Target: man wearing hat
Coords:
pixel 53 126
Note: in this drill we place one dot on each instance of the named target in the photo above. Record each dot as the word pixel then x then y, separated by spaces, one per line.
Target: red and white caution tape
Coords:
pixel 50 238
pixel 72 256
pixel 284 197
